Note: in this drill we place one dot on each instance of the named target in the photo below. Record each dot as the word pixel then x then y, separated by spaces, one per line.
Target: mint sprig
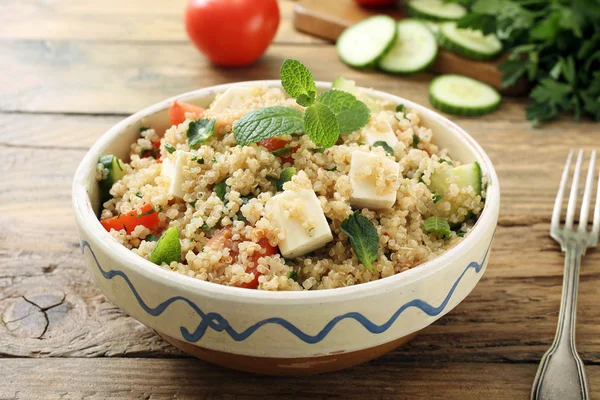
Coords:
pixel 363 237
pixel 333 113
pixel 200 130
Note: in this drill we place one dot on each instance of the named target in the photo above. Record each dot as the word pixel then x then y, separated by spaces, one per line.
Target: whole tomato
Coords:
pixel 232 32
pixel 376 3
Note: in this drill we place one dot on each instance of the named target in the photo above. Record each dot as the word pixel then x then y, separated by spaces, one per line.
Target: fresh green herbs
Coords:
pixel 144 128
pixel 437 225
pixel 168 248
pixel 555 44
pixel 170 148
pixel 200 130
pixel 283 152
pixel 205 227
pixel 140 195
pixel 436 197
pixel 388 149
pixel 293 275
pixel 400 108
pixel 240 214
pixel 193 203
pixel 443 160
pixel 415 142
pixel 221 190
pixel 363 237
pixel 151 238
pixel 333 113
pixel 285 176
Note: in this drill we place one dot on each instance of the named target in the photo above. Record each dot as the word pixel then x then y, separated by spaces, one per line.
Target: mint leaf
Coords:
pixel 170 148
pixel 321 125
pixel 285 176
pixel 388 149
pixel 363 237
pixel 298 82
pixel 221 190
pixel 200 130
pixel 400 108
pixel 437 225
pixel 351 114
pixel 267 122
pixel 168 248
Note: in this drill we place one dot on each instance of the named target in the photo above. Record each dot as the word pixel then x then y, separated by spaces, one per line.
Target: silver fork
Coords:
pixel 561 374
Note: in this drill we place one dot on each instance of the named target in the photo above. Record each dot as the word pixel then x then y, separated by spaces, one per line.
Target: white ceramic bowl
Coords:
pixel 281 332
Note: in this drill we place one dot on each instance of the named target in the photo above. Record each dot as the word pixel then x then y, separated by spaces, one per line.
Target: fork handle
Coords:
pixel 561 374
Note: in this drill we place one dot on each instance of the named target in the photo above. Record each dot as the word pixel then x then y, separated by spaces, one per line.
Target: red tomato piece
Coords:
pixel 146 215
pixel 289 159
pixel 269 251
pixel 178 110
pixel 273 143
pixel 154 152
pixel 232 32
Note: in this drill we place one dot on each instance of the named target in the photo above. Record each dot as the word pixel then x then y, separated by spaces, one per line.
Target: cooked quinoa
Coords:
pixel 245 236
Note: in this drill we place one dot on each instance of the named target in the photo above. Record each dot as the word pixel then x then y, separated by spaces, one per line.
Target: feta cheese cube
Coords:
pixel 299 215
pixel 232 98
pixel 383 132
pixel 175 173
pixel 374 179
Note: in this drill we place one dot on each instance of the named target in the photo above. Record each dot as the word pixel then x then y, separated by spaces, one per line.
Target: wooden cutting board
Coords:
pixel 328 19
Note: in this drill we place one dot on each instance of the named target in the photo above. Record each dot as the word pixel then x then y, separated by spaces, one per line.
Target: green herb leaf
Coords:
pixel 363 237
pixel 298 82
pixel 437 225
pixel 443 160
pixel 400 108
pixel 144 128
pixel 415 142
pixel 388 149
pixel 437 197
pixel 170 148
pixel 267 122
pixel 512 70
pixel 205 227
pixel 351 114
pixel 293 275
pixel 193 203
pixel 140 195
pixel 221 190
pixel 285 176
pixel 168 248
pixel 200 130
pixel 283 152
pixel 151 238
pixel 321 125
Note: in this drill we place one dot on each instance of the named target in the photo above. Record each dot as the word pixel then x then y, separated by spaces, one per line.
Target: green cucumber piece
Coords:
pixel 463 176
pixel 461 95
pixel 116 171
pixel 469 43
pixel 414 49
pixel 435 10
pixel 365 42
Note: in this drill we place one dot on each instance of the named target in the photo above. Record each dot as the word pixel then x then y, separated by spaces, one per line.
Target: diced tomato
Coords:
pixel 273 143
pixel 178 110
pixel 146 216
pixel 269 251
pixel 222 239
pixel 289 159
pixel 154 152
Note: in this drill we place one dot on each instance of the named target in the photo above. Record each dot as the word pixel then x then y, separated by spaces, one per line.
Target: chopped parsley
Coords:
pixel 437 225
pixel 144 128
pixel 388 149
pixel 283 152
pixel 437 197
pixel 221 190
pixel 443 160
pixel 140 195
pixel 293 275
pixel 400 108
pixel 193 203
pixel 151 238
pixel 150 211
pixel 170 148
pixel 415 142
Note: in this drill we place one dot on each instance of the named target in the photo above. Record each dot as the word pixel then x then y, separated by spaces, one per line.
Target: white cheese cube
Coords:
pixel 232 98
pixel 299 215
pixel 175 173
pixel 383 132
pixel 374 181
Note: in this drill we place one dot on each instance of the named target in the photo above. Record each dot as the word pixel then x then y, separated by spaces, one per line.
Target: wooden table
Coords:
pixel 70 70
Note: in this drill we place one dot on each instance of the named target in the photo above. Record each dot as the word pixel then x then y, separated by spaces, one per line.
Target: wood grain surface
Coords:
pixel 70 70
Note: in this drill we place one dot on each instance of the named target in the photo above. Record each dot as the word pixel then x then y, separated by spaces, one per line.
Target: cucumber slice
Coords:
pixel 365 42
pixel 115 173
pixel 469 43
pixel 460 95
pixel 463 176
pixel 414 50
pixel 436 10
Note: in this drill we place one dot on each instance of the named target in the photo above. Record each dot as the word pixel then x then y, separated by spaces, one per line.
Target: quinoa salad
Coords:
pixel 288 189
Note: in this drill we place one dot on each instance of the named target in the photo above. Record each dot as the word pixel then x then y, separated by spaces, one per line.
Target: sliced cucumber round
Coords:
pixel 469 43
pixel 414 49
pixel 461 95
pixel 436 10
pixel 365 42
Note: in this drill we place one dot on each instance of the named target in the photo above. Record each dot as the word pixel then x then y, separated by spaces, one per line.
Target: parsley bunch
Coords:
pixel 328 115
pixel 554 43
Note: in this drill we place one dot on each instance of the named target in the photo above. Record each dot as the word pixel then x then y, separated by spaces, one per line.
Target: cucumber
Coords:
pixel 435 10
pixel 469 43
pixel 365 42
pixel 115 173
pixel 463 176
pixel 414 49
pixel 460 95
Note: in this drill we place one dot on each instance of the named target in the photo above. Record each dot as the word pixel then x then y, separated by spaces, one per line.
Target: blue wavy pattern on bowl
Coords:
pixel 219 323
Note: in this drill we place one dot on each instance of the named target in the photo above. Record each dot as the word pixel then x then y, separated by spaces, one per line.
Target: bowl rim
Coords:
pixel 88 222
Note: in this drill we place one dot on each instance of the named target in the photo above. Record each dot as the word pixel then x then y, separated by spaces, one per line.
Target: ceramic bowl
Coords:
pixel 281 332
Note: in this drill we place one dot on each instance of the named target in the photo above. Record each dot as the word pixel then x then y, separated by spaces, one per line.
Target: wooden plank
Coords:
pixel 511 315
pixel 191 379
pixel 80 77
pixel 115 20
